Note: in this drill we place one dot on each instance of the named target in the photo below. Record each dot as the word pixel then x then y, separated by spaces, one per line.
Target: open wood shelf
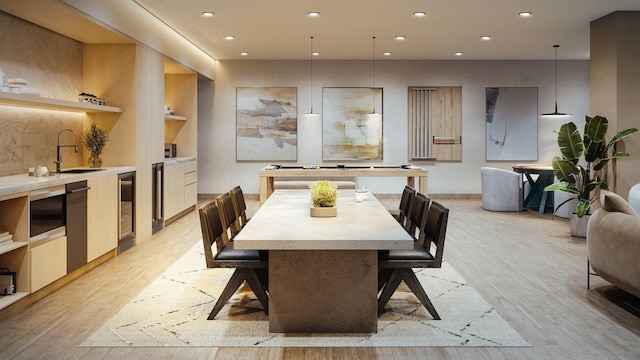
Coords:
pixel 10 247
pixel 34 101
pixel 175 117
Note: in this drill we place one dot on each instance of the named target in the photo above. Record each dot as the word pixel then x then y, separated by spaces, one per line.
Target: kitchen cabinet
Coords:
pixel 190 183
pixel 102 216
pixel 48 262
pixel 180 187
pixel 14 218
pixel 173 189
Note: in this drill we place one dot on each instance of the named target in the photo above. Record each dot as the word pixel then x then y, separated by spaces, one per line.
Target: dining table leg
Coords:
pixel 323 291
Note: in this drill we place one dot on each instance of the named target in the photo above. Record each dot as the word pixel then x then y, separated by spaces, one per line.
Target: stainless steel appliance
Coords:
pixel 76 215
pixel 157 188
pixel 170 150
pixel 126 211
pixel 47 214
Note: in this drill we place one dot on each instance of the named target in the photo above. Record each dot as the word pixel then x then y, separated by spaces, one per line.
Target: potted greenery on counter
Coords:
pixel 583 158
pixel 323 194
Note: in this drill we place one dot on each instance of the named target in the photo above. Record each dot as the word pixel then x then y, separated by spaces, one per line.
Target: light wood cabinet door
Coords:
pixel 48 262
pixel 173 190
pixel 102 216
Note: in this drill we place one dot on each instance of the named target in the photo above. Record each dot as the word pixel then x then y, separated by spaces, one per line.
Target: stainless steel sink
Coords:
pixel 79 171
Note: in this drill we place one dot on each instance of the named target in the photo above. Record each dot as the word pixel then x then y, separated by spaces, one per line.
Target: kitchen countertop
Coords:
pixel 176 160
pixel 23 182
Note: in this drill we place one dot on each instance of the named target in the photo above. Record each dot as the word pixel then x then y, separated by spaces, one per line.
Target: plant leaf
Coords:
pixel 570 141
pixel 583 207
pixel 564 169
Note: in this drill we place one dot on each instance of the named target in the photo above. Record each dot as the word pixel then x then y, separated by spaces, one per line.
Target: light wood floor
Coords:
pixel 524 264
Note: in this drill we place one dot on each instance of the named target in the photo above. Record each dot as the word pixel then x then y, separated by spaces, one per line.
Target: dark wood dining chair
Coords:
pixel 239 205
pixel 419 203
pixel 231 222
pixel 250 265
pixel 400 214
pixel 401 262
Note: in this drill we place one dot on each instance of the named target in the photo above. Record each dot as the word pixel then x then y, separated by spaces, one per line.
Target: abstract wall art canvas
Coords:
pixel 266 123
pixel 349 129
pixel 512 123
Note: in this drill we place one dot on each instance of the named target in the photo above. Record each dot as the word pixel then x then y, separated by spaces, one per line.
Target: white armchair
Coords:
pixel 502 190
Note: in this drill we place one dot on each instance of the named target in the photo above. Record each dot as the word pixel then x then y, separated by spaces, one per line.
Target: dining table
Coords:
pixel 323 271
pixel 544 177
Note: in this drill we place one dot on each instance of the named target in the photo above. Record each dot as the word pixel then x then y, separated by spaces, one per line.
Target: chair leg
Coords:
pixel 389 288
pixel 413 283
pixel 383 277
pixel 258 288
pixel 234 283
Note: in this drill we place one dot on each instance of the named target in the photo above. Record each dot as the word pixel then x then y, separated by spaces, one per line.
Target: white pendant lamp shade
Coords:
pixel 555 113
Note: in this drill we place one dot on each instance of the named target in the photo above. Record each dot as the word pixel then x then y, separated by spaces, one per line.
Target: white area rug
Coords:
pixel 172 311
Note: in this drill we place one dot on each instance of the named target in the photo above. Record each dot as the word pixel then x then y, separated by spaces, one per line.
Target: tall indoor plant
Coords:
pixel 581 176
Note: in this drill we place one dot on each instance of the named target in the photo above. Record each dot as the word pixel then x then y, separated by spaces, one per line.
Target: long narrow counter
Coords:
pixel 268 173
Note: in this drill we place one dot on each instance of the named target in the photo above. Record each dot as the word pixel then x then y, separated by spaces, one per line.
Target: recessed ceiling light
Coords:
pixel 386 53
pixel 207 13
pixel 525 13
pixel 485 38
pixel 315 53
pixel 400 37
pixel 459 53
pixel 419 13
pixel 244 53
pixel 313 13
pixel 229 37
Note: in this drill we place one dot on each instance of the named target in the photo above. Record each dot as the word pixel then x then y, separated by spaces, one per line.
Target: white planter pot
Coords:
pixel 579 225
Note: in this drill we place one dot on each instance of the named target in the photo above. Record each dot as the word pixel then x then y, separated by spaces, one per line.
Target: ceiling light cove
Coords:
pixel 419 14
pixel 485 38
pixel 313 14
pixel 207 13
pixel 400 37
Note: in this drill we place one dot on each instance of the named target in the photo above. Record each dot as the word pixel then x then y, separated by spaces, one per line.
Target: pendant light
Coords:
pixel 556 114
pixel 311 113
pixel 374 78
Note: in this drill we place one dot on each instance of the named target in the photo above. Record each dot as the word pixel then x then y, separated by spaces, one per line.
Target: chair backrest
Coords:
pixel 433 230
pixel 239 205
pixel 414 218
pixel 230 220
pixel 405 203
pixel 212 231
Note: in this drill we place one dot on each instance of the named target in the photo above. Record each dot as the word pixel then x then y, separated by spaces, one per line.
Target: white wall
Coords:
pixel 218 170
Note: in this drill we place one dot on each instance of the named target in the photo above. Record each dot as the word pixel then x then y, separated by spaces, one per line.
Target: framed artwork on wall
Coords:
pixel 266 123
pixel 512 123
pixel 351 124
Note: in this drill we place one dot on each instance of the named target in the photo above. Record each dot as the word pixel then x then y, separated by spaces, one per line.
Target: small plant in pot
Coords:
pixel 323 194
pixel 579 170
pixel 94 139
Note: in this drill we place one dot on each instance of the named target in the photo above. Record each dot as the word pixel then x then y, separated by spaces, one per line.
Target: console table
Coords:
pixel 268 173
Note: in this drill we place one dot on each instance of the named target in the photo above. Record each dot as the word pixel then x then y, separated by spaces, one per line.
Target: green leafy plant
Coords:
pixel 574 178
pixel 94 139
pixel 324 193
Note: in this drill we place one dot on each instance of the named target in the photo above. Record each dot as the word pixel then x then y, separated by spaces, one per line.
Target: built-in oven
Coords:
pixel 47 213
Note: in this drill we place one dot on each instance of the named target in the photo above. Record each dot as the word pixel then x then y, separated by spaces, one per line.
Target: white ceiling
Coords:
pixel 281 29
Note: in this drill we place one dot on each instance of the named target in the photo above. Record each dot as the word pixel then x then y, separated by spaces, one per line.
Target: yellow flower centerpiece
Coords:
pixel 323 194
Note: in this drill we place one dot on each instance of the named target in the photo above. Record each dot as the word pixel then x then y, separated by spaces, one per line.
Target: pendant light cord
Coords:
pixel 311 87
pixel 556 47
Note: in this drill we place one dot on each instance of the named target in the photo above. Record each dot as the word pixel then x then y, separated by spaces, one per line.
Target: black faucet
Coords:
pixel 59 158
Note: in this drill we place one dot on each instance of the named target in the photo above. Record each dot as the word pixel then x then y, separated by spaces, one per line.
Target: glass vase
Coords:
pixel 95 161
